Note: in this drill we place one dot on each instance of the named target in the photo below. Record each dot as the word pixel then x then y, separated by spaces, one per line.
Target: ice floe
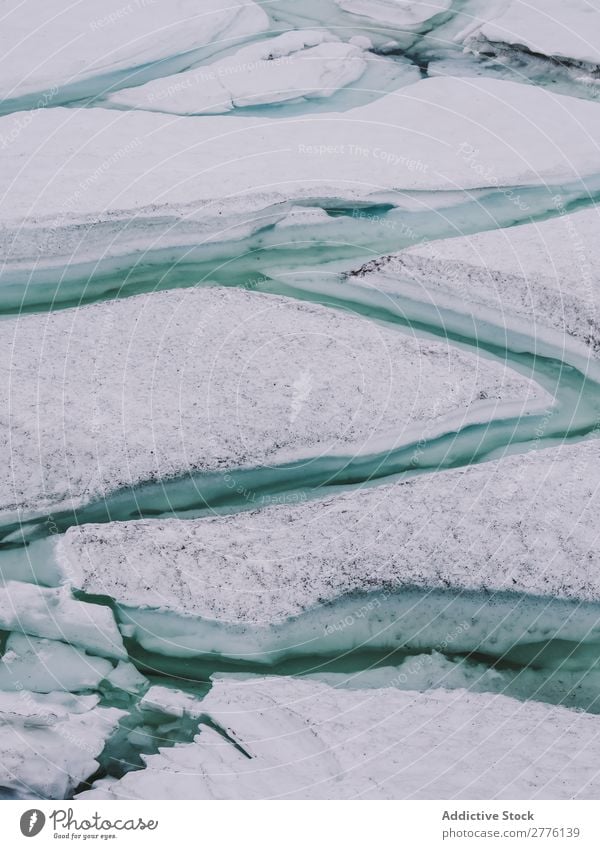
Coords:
pixel 44 666
pixel 379 569
pixel 289 738
pixel 97 399
pixel 126 677
pixel 515 277
pixel 386 25
pixel 290 67
pixel 56 615
pixel 291 148
pixel 550 28
pixel 559 685
pixel 84 49
pixel 49 743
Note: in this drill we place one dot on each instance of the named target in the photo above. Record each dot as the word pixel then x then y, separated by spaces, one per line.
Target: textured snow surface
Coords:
pixel 49 743
pixel 294 65
pixel 106 396
pixel 291 738
pixel 552 28
pixel 516 524
pixel 516 272
pixel 46 44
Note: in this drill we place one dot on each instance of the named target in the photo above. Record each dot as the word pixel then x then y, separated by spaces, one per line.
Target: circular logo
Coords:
pixel 32 822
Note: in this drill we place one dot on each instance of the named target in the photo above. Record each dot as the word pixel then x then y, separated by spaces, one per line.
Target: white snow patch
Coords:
pixel 484 554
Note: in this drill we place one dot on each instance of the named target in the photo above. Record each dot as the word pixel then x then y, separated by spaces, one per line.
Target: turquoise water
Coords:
pixel 350 235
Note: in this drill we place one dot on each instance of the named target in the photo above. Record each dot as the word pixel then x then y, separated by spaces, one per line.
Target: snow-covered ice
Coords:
pixel 96 399
pixel 383 567
pixel 182 166
pixel 47 45
pixel 552 28
pixel 44 666
pixel 514 276
pixel 49 743
pixel 289 738
pixel 293 66
pixel 54 614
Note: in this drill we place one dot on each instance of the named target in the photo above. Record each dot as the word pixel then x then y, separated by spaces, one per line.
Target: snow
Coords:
pixel 382 567
pixel 96 399
pixel 551 28
pixel 55 615
pixel 305 64
pixel 542 275
pixel 290 738
pixel 147 180
pixel 82 41
pixel 45 666
pixel 49 743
